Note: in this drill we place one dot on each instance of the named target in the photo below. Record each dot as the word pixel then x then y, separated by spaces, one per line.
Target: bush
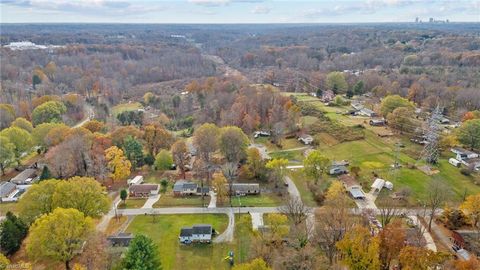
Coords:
pixel 454 219
pixel 318 194
pixel 466 171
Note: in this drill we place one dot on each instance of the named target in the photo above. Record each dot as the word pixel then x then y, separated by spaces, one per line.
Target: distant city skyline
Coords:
pixel 236 11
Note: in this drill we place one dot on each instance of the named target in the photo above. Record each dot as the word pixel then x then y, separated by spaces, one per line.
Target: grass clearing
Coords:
pixel 126 107
pixel 301 182
pixel 168 200
pixel 132 203
pixel 173 255
pixel 114 224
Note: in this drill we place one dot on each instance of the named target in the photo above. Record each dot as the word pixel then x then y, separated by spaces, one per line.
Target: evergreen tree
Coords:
pixel 133 151
pixel 12 232
pixel 142 255
pixel 123 195
pixel 46 174
pixel 359 88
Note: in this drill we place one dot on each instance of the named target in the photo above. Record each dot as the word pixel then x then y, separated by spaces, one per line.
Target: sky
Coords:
pixel 236 11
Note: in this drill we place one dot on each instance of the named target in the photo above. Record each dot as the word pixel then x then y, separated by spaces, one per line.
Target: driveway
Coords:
pixel 428 238
pixel 292 188
pixel 151 201
pixel 227 235
pixel 257 220
pixel 262 149
pixel 213 199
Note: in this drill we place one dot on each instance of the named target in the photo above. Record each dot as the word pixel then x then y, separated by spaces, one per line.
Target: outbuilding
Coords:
pixel 143 190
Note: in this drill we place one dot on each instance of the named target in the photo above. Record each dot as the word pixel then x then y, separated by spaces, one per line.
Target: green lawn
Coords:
pixel 286 144
pixel 301 182
pixel 132 203
pixel 126 107
pixel 266 200
pixel 375 155
pixel 165 230
pixel 168 200
pixel 293 156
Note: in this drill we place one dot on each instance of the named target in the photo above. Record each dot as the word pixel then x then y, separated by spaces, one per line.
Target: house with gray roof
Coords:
pixel 242 189
pixel 199 233
pixel 188 188
pixel 27 176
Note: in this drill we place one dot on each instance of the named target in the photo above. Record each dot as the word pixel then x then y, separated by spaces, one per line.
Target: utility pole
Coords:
pixel 430 152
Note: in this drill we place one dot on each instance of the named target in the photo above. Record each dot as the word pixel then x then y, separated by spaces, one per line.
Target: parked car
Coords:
pixel 337 170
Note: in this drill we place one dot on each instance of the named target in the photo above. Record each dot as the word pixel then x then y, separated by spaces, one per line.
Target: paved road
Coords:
pixel 193 210
pixel 292 188
pixel 90 115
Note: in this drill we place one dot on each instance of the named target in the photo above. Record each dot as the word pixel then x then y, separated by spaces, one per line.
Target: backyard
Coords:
pixel 165 229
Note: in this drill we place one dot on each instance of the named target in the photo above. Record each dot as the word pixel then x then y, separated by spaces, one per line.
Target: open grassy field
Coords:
pixel 173 255
pixel 132 203
pixel 266 200
pixel 375 155
pixel 125 107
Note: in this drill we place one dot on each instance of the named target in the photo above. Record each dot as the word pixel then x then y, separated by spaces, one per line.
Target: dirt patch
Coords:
pixel 428 170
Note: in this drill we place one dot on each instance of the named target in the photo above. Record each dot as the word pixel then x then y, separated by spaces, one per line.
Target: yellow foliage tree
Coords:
pixel 59 236
pixel 221 187
pixel 359 249
pixel 118 164
pixel 335 190
pixel 256 264
pixel 471 207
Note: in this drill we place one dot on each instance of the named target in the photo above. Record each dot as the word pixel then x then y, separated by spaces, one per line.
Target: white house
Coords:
pixel 137 180
pixel 201 233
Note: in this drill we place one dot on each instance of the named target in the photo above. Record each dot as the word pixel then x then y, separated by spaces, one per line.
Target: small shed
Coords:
pixel 378 185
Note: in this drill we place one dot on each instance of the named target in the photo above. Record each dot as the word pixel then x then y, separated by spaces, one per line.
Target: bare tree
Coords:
pixel 388 210
pixel 229 170
pixel 332 222
pixel 295 210
pixel 437 195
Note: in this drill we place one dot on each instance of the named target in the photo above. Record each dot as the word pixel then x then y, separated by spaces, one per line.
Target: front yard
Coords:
pixel 164 231
pixel 132 203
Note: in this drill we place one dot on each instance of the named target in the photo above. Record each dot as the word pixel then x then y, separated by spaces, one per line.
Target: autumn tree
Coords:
pixel 157 138
pixel 81 193
pixel 402 119
pixel 390 103
pixel 470 264
pixel 21 139
pixel 278 168
pixel 336 82
pixel 335 190
pixel 120 133
pixel 48 112
pixel 59 235
pixel 255 164
pixel 205 140
pixel 7 153
pixel 359 249
pixel 315 165
pixel 471 207
pixel 233 143
pixel 7 115
pixel 23 124
pixel 37 200
pixel 418 258
pixel 163 160
pixel 392 239
pixel 56 135
pixel 117 163
pixel 388 210
pixel 95 253
pixel 334 220
pixel 220 186
pixel 180 156
pixel 469 133
pixel 141 255
pixel 40 132
pixel 255 264
pixel 94 126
